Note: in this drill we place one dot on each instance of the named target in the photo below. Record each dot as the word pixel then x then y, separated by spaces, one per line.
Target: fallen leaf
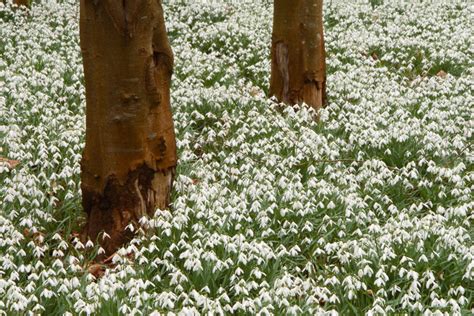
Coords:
pixel 74 236
pixel 9 162
pixel 109 258
pixel 441 74
pixel 96 270
pixel 131 256
pixel 38 237
pixel 254 91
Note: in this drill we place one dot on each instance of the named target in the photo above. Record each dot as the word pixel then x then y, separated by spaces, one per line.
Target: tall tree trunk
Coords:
pixel 130 153
pixel 25 3
pixel 298 55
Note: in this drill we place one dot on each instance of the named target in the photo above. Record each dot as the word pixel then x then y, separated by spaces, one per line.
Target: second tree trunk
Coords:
pixel 298 55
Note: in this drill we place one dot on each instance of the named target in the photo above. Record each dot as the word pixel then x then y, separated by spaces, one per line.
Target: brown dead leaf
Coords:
pixel 74 236
pixel 374 56
pixel 9 162
pixel 254 91
pixel 442 74
pixel 96 269
pixel 131 256
pixel 109 258
pixel 38 237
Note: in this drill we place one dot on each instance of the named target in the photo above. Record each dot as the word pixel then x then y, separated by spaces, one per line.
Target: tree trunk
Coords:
pixel 130 153
pixel 298 55
pixel 25 3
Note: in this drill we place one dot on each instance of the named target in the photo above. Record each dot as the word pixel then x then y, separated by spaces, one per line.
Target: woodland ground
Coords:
pixel 369 211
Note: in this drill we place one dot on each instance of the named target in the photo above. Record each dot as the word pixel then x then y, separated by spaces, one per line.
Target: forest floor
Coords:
pixel 368 211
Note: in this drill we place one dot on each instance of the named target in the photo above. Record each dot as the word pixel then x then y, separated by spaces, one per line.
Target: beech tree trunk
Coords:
pixel 298 54
pixel 130 153
pixel 24 3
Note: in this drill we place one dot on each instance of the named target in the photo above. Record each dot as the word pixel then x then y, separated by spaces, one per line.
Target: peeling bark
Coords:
pixel 130 154
pixel 298 54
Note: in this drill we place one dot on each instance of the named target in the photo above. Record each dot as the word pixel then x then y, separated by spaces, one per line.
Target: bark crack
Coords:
pixel 281 54
pixel 123 14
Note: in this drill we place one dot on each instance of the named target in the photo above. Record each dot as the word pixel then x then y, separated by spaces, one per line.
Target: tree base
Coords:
pixel 122 204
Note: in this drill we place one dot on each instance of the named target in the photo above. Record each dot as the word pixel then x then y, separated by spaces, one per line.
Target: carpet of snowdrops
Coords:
pixel 369 211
